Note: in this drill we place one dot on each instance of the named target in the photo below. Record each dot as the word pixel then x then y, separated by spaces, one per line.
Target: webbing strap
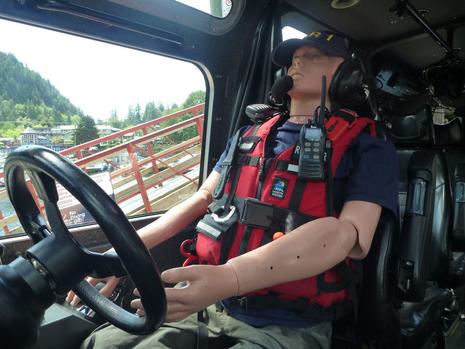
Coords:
pixel 247 160
pixel 226 165
pixel 245 240
pixel 254 130
pixel 226 243
pixel 230 195
pixel 354 278
pixel 297 195
pixel 288 166
pixel 268 235
pixel 329 183
pixel 311 311
pixel 202 330
pixel 346 114
pixel 288 218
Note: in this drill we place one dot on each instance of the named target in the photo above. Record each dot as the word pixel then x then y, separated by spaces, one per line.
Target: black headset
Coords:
pixel 352 87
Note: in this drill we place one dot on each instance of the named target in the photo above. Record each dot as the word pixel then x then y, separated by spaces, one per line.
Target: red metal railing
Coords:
pixel 142 173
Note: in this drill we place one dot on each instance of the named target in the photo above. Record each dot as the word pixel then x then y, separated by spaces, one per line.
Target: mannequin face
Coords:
pixel 309 64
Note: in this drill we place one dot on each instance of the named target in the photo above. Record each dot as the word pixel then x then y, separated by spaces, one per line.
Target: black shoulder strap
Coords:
pixel 348 115
pixel 226 165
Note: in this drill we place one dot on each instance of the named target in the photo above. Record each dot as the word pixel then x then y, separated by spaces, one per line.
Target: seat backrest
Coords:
pixel 419 319
pixel 458 230
pixel 424 200
pixel 409 133
pixel 442 222
pixel 450 138
pixel 406 255
pixel 378 319
pixel 424 250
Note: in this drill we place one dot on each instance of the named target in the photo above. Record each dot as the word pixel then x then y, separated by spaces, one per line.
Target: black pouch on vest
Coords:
pixel 248 144
pixel 256 213
pixel 214 225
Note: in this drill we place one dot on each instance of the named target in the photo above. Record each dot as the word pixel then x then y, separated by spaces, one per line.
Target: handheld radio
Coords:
pixel 314 146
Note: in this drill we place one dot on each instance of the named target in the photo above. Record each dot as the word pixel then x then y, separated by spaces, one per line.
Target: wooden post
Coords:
pixel 149 149
pixel 5 227
pixel 199 125
pixel 140 181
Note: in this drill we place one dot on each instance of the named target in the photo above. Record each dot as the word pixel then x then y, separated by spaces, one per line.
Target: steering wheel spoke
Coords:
pixel 57 225
pixel 105 264
pixel 46 189
pixel 45 186
pixel 28 213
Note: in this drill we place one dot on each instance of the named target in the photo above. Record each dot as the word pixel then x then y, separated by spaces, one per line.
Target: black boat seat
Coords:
pixel 458 227
pixel 450 137
pixel 424 200
pixel 398 302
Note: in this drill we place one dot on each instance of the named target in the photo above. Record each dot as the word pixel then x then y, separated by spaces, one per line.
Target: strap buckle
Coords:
pixel 223 219
pixel 256 213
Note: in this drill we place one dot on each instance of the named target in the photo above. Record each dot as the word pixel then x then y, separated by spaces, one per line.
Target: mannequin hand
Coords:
pixel 202 286
pixel 137 304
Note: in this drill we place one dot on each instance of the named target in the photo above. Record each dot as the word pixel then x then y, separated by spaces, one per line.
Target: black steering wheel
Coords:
pixel 60 259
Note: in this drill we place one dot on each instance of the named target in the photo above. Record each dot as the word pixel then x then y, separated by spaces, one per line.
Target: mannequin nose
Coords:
pixel 296 62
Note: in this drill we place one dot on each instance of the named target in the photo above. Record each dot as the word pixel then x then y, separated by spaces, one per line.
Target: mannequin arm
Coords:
pixel 181 215
pixel 307 251
pixel 310 249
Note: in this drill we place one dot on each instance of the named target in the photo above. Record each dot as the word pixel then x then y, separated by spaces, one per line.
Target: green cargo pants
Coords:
pixel 224 331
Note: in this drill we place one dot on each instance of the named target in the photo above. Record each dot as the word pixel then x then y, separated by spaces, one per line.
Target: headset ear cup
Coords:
pixel 346 89
pixel 334 86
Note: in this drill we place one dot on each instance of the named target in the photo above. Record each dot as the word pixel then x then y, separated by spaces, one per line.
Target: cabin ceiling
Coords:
pixel 373 24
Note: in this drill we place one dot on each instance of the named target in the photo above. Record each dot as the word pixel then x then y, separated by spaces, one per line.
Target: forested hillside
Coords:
pixel 26 99
pixel 22 85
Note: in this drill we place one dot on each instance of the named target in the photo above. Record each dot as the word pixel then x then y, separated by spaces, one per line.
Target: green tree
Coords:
pixel 75 119
pixel 194 98
pixel 24 122
pixel 114 119
pixel 131 117
pixel 151 112
pixel 138 114
pixel 86 130
pixel 57 140
pixel 8 130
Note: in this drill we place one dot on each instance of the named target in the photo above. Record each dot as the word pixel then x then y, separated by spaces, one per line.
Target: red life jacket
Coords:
pixel 281 188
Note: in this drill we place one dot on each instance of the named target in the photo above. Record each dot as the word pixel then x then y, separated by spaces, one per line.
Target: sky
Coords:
pixel 98 77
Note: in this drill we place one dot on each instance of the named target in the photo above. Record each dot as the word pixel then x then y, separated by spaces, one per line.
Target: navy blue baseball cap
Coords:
pixel 329 43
